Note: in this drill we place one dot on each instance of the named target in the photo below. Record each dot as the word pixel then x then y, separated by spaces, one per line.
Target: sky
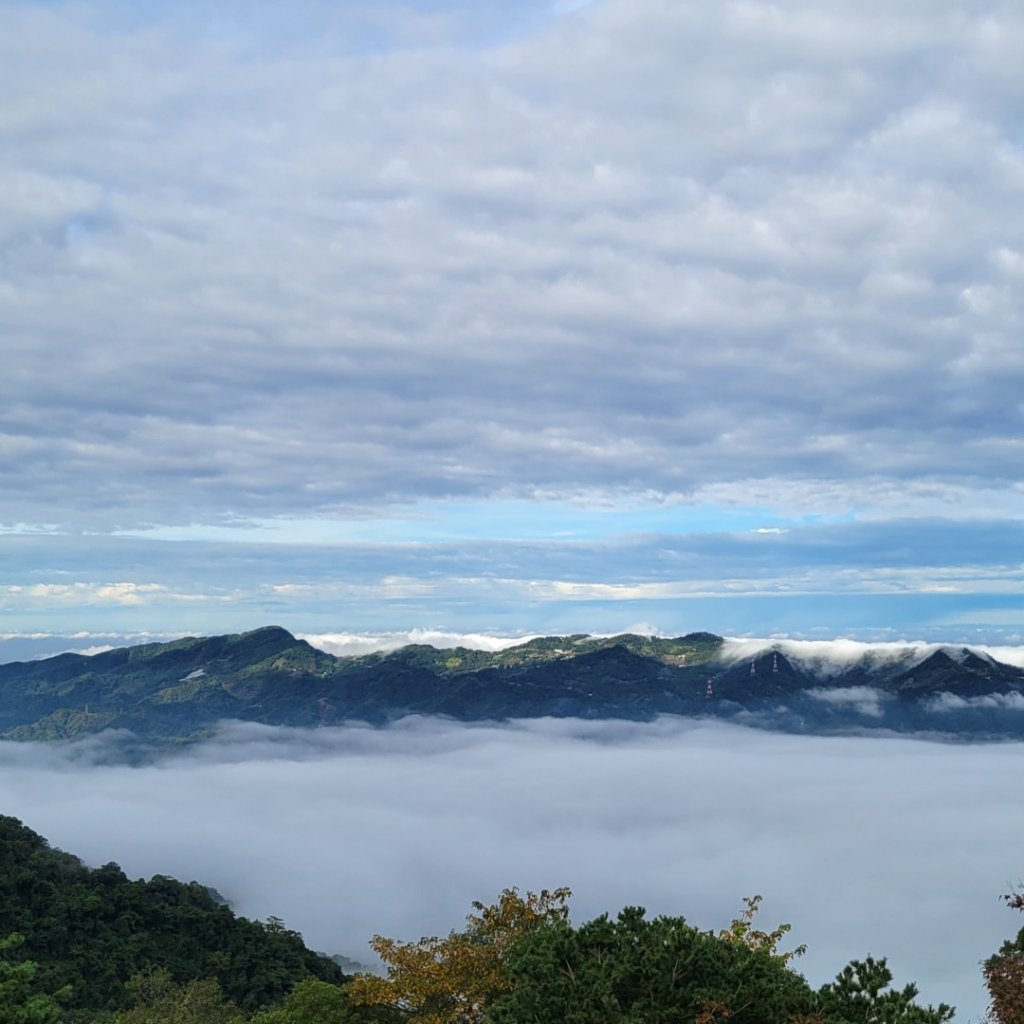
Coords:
pixel 444 318
pixel 889 847
pixel 511 318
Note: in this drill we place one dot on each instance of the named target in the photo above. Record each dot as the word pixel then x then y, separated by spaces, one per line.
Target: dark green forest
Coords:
pixel 88 931
pixel 81 945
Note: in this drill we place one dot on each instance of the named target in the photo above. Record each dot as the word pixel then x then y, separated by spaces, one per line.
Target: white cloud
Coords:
pixel 642 248
pixel 28 528
pixel 345 832
pixel 286 277
pixel 825 655
pixel 91 650
pixel 833 657
pixel 121 593
pixel 865 699
pixel 344 644
pixel 954 702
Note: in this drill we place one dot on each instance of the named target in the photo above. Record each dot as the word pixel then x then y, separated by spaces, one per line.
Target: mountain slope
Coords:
pixel 177 692
pixel 93 929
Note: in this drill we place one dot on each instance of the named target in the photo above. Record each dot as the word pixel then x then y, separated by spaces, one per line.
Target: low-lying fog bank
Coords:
pixel 893 847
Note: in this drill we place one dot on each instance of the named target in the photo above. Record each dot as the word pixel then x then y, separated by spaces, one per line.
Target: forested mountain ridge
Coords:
pixel 89 930
pixel 177 691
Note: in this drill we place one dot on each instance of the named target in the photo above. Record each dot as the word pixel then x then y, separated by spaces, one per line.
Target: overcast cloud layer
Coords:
pixel 896 848
pixel 555 300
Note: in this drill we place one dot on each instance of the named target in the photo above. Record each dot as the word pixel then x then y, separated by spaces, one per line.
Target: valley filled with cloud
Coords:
pixel 893 847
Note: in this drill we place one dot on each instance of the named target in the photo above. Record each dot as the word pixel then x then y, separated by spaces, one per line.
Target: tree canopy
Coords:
pixel 635 969
pixel 1004 973
pixel 21 999
pixel 90 930
pixel 455 979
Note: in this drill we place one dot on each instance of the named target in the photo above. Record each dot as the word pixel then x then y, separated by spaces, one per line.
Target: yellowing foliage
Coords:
pixel 742 931
pixel 451 980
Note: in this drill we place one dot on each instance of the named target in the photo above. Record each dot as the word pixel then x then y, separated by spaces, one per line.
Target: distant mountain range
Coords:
pixel 177 692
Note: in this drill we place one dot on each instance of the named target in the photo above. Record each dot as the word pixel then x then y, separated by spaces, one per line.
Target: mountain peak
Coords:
pixel 177 691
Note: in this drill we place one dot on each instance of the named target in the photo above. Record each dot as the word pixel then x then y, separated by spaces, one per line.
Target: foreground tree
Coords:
pixel 1004 979
pixel 861 995
pixel 93 928
pixel 318 1002
pixel 453 980
pixel 520 961
pixel 157 1000
pixel 1004 974
pixel 21 1002
pixel 632 970
pixel 742 930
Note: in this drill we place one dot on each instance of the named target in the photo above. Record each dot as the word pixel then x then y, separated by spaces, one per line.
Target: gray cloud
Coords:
pixel 640 248
pixel 954 702
pixel 865 699
pixel 344 832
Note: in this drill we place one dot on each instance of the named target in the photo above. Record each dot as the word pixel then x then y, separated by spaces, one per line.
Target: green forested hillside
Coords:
pixel 164 694
pixel 176 691
pixel 91 929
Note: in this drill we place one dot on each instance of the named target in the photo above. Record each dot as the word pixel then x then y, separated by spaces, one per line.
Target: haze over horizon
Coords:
pixel 511 319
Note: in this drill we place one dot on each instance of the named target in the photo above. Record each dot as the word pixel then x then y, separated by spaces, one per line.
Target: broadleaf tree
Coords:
pixel 1004 973
pixel 453 980
pixel 21 1002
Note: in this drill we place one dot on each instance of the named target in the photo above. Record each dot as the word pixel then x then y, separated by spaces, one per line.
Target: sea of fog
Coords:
pixel 893 847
